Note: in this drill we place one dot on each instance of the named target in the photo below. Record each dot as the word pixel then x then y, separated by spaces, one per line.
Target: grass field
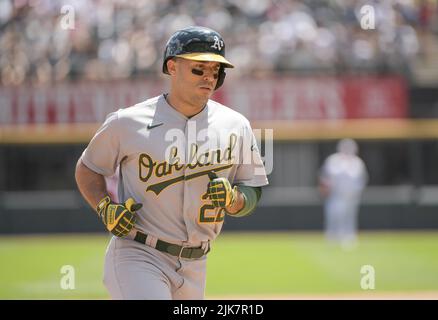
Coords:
pixel 260 265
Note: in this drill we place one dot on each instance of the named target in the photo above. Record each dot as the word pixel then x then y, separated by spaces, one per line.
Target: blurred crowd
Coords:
pixel 49 41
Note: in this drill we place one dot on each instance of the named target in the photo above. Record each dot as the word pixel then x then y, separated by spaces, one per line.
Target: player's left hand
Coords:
pixel 220 191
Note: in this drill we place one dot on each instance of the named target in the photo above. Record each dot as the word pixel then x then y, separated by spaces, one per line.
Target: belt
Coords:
pixel 174 249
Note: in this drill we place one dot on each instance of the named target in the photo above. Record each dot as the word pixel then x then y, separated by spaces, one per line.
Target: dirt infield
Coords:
pixel 370 295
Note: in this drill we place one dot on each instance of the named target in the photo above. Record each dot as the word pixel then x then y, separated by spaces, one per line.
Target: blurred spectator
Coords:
pixel 342 179
pixel 116 39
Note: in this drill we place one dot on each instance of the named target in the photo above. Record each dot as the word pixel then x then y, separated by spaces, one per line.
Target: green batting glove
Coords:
pixel 118 218
pixel 220 191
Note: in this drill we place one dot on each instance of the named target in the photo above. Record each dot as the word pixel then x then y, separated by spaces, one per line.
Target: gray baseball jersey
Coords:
pixel 164 159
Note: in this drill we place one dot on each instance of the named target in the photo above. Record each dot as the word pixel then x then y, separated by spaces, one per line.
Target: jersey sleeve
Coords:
pixel 251 170
pixel 102 154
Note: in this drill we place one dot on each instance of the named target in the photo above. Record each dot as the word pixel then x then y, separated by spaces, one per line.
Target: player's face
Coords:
pixel 197 78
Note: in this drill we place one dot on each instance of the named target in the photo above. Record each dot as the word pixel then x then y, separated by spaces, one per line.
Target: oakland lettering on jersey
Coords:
pixel 148 167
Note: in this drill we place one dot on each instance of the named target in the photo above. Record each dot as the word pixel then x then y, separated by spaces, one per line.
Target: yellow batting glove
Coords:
pixel 118 218
pixel 220 191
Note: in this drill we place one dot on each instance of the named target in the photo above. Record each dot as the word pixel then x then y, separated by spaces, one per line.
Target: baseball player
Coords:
pixel 185 162
pixel 343 178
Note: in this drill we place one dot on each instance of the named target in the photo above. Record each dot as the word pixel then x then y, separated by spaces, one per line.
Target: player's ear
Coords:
pixel 171 66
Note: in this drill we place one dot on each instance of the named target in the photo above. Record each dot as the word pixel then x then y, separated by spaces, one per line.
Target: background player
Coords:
pixel 174 196
pixel 342 180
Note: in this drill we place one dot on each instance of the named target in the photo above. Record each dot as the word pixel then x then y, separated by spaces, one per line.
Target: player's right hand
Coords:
pixel 119 218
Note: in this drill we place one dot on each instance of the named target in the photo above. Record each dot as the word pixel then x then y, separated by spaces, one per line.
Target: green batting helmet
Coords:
pixel 199 44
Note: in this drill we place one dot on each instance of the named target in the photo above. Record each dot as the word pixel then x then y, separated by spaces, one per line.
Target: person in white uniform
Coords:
pixel 342 180
pixel 185 163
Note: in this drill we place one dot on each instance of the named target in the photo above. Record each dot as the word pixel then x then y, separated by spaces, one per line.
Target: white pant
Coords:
pixel 135 271
pixel 341 214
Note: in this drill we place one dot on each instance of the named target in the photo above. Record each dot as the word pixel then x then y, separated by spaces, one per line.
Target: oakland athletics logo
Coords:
pixel 218 44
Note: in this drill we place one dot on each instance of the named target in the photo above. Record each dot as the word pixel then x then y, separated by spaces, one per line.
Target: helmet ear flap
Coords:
pixel 221 77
